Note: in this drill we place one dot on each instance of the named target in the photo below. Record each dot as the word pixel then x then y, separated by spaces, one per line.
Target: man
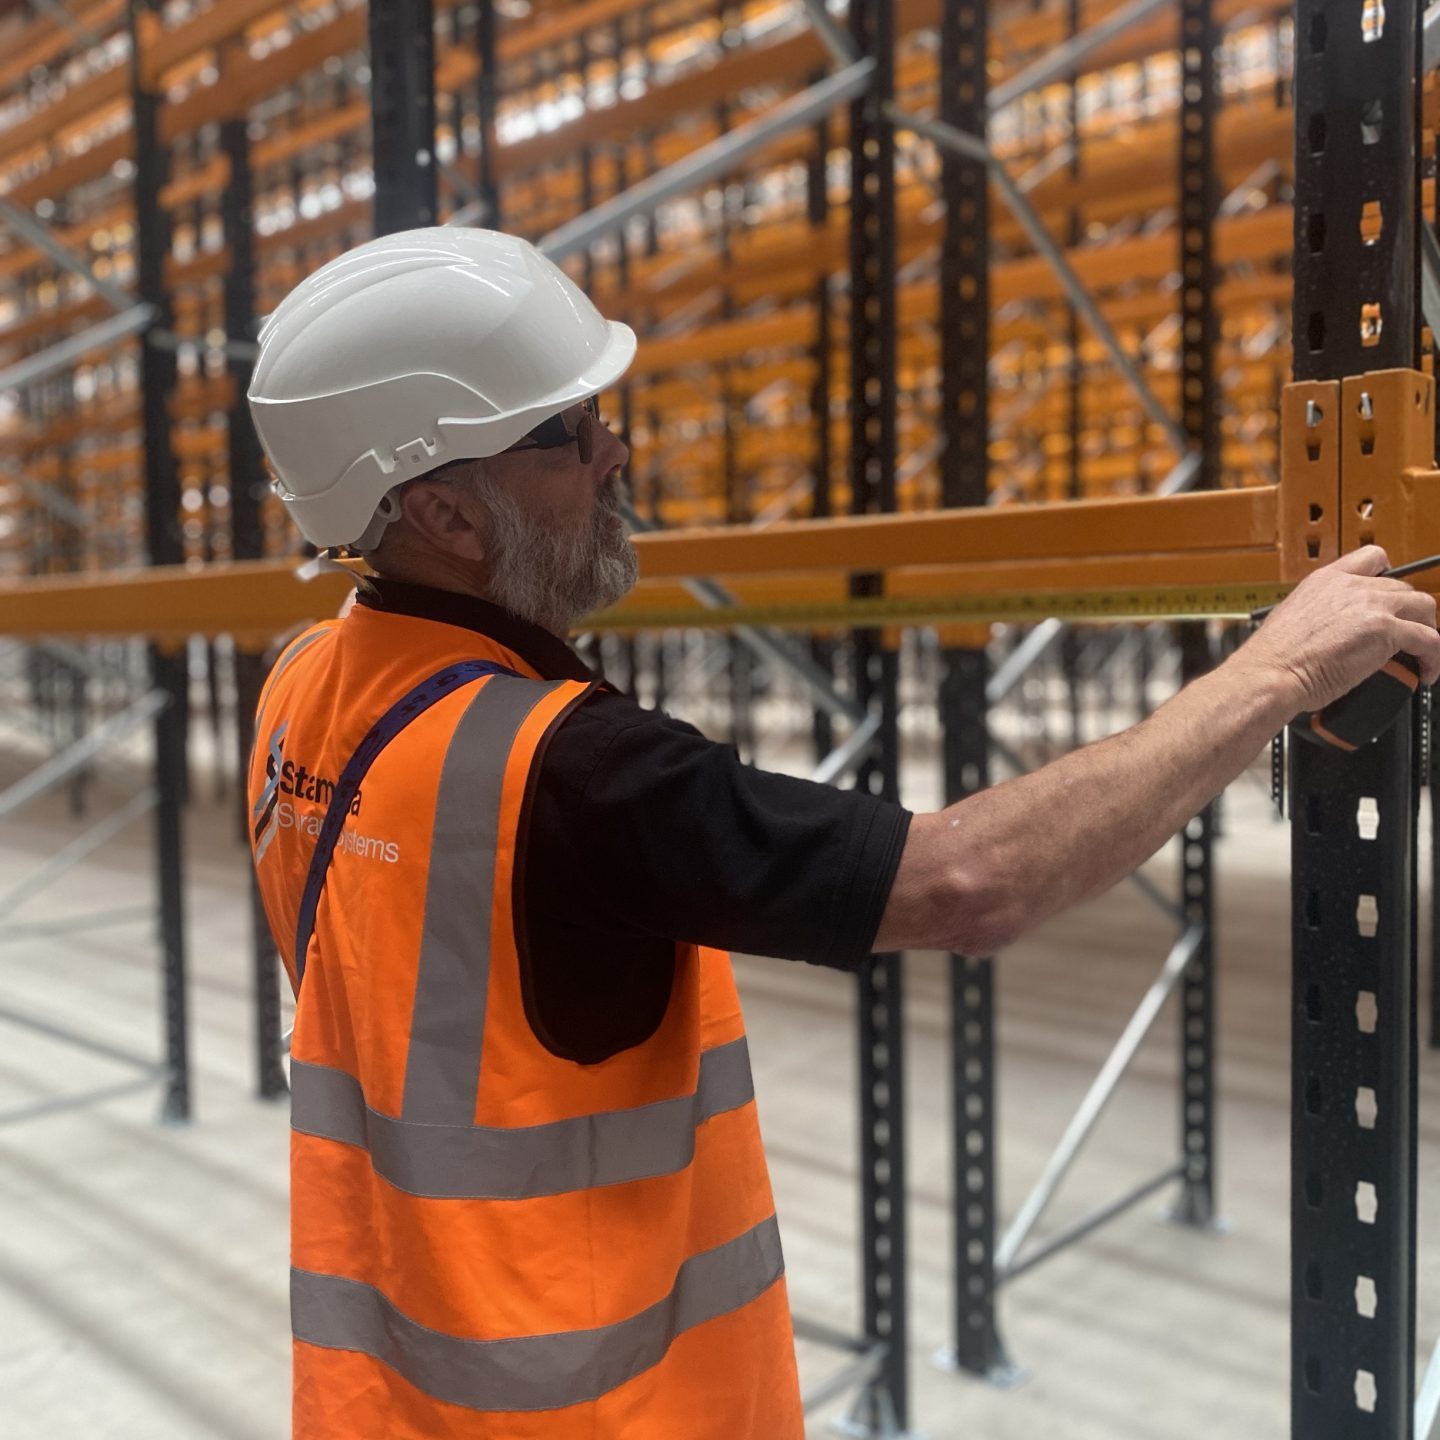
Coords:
pixel 529 1194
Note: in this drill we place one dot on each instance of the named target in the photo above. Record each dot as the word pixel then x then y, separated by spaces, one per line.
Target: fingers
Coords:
pixel 1415 632
pixel 1384 583
pixel 1367 560
pixel 1416 605
pixel 1423 642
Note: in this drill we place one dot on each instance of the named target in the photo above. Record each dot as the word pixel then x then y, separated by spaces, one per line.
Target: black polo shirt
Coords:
pixel 640 833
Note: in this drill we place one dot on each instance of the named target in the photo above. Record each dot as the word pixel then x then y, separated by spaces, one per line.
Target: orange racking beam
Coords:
pixel 207 30
pixel 206 264
pixel 1042 30
pixel 214 176
pixel 329 124
pixel 1107 541
pixel 73 171
pixel 1028 583
pixel 47 40
pixel 1055 192
pixel 1115 171
pixel 1219 520
pixel 1263 236
pixel 1237 297
pixel 247 80
pixel 76 104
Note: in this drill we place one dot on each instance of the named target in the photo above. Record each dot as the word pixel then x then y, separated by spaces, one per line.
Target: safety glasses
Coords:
pixel 551 434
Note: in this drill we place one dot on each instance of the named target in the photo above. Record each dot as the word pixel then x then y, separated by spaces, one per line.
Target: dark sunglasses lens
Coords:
pixel 549 434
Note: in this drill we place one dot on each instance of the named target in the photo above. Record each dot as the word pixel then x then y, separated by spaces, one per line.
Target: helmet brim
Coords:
pixel 467 439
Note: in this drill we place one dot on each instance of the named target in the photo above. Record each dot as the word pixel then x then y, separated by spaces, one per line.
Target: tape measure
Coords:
pixel 1372 707
pixel 1234 601
pixel 1349 723
pixel 1367 711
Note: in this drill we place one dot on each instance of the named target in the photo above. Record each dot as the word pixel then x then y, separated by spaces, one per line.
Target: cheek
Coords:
pixel 558 495
pixel 577 511
pixel 568 518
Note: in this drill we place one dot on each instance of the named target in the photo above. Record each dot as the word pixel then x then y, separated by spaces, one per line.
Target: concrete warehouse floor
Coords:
pixel 143 1268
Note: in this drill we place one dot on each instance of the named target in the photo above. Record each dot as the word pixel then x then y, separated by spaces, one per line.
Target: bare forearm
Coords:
pixel 985 870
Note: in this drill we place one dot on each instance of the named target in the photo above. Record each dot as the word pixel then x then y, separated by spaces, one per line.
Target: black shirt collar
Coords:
pixel 550 656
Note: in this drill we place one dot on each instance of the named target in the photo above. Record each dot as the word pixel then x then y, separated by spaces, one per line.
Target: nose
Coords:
pixel 611 451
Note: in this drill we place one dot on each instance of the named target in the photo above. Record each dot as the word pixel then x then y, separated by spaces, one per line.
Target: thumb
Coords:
pixel 1367 560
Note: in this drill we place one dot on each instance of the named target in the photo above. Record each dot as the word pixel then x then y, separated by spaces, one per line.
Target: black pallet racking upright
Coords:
pixel 1353 1134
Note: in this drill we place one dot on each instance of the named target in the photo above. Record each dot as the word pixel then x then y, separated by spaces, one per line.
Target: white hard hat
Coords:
pixel 414 350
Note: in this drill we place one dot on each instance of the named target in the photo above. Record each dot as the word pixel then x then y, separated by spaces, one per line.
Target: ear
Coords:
pixel 437 511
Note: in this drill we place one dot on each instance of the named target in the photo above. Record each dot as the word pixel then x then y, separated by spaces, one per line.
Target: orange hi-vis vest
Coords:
pixel 489 1240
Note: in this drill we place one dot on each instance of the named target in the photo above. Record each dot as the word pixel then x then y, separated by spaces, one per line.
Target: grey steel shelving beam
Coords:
pixel 1064 60
pixel 1098 1097
pixel 65 354
pixel 710 161
pixel 961 142
pixel 26 223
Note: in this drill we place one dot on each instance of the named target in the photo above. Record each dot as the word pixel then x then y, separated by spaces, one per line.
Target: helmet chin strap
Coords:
pixel 327 564
pixel 386 513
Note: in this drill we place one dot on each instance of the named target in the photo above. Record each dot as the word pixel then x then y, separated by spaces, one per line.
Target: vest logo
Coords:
pixel 285 777
pixel 368 847
pixel 303 785
pixel 272 814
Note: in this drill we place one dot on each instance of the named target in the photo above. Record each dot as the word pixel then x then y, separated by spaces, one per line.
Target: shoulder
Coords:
pixel 606 714
pixel 285 655
pixel 288 649
pixel 608 728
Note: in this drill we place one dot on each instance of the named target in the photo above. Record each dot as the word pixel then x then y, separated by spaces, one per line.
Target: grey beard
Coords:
pixel 548 575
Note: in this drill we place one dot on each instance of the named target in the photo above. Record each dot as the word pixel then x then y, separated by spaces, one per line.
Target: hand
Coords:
pixel 1340 625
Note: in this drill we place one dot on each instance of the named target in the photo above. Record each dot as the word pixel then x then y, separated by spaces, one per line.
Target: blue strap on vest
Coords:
pixel 382 732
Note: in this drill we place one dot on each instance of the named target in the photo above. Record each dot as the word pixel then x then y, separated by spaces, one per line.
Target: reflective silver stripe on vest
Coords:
pixel 287 656
pixel 454 1162
pixel 447 1023
pixel 540 1372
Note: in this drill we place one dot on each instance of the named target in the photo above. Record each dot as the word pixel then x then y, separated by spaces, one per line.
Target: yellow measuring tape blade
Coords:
pixel 873 612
